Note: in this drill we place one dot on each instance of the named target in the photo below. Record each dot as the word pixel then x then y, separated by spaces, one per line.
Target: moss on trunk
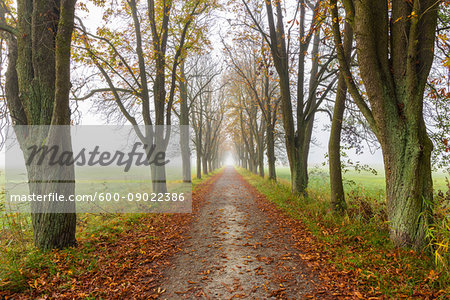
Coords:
pixel 38 92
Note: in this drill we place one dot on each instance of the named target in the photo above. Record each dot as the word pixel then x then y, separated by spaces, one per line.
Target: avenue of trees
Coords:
pixel 379 70
pixel 384 52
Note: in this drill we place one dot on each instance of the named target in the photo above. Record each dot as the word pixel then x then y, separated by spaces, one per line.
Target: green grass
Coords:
pixel 358 241
pixel 319 179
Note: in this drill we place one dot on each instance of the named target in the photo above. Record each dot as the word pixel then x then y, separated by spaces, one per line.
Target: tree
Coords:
pixel 395 47
pixel 199 75
pixel 247 125
pixel 151 62
pixel 437 105
pixel 298 126
pixel 37 93
pixel 207 117
pixel 253 65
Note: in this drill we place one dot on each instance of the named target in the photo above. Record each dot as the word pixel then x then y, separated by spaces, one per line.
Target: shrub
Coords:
pixel 439 231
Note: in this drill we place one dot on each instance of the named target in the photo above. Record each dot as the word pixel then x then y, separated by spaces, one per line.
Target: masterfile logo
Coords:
pixel 113 169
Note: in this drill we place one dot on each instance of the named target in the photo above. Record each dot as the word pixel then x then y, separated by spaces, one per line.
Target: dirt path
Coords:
pixel 235 251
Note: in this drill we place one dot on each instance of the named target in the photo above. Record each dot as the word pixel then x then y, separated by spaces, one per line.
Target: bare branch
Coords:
pixel 102 90
pixel 10 29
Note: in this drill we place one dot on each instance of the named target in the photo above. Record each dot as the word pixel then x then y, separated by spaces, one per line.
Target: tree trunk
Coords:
pixel 159 181
pixel 271 152
pixel 299 178
pixel 184 130
pixel 261 162
pixel 159 97
pixel 185 153
pixel 239 154
pixel 199 161
pixel 338 203
pixel 210 165
pixel 260 139
pixel 53 223
pixel 54 230
pixel 245 159
pixel 304 155
pixel 337 195
pixel 253 165
pixel 205 164
pixel 409 185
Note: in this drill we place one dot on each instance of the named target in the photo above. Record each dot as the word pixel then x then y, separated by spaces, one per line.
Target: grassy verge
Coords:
pixel 371 182
pixel 22 266
pixel 359 242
